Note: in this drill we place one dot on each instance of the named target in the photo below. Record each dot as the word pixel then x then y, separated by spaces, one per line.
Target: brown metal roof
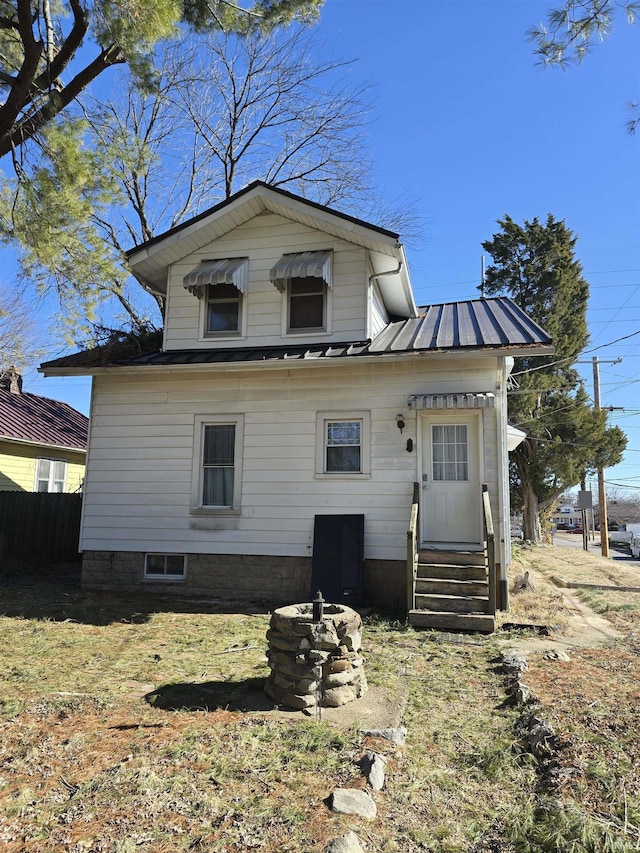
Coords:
pixel 28 417
pixel 480 324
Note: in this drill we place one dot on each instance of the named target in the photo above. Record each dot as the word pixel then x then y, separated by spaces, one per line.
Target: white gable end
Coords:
pixel 264 241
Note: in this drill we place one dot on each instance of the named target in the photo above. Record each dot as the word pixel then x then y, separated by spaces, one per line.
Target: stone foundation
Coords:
pixel 238 577
pixel 315 663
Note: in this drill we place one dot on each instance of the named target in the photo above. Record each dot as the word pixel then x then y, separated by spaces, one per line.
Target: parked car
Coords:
pixel 576 529
pixel 565 525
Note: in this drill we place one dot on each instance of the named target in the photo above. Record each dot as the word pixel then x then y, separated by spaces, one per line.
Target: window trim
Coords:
pixel 322 418
pixel 36 478
pixel 197 472
pixel 164 578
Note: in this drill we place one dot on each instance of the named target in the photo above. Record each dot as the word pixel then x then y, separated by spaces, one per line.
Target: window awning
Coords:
pixel 225 271
pixel 301 265
pixel 453 401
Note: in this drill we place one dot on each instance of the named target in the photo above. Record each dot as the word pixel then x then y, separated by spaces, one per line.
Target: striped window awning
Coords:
pixel 225 271
pixel 453 401
pixel 301 265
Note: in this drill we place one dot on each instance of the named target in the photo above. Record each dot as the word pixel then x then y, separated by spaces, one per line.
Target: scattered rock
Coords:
pixel 349 843
pixel 557 654
pixel 397 736
pixel 353 801
pixel 541 738
pixel 372 766
pixel 513 662
pixel 522 584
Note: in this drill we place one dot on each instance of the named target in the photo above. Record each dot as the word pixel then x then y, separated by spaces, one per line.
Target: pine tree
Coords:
pixel 535 265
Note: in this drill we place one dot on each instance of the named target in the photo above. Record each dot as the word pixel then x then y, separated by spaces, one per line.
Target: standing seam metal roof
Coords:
pixel 480 324
pixel 28 417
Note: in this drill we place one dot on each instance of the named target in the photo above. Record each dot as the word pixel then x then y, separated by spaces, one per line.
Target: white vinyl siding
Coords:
pixel 138 495
pixel 378 315
pixel 264 240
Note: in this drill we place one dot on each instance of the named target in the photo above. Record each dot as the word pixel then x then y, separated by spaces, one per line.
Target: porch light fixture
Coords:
pixel 400 422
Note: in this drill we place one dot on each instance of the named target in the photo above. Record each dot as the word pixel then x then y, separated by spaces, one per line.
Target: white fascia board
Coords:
pixel 149 262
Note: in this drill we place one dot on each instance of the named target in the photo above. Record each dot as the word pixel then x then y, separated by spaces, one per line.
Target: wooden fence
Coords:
pixel 39 529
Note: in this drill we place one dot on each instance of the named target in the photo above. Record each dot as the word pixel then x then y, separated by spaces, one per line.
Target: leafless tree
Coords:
pixel 17 338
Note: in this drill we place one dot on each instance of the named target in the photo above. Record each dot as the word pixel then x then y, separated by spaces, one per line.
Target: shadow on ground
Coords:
pixel 246 695
pixel 55 595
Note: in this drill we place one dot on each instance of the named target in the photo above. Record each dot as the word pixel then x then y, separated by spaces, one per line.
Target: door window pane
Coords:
pixel 449 447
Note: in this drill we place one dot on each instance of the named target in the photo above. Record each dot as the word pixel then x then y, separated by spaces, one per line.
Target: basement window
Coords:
pixel 168 567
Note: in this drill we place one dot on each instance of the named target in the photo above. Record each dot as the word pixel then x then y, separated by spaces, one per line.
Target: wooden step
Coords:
pixel 449 570
pixel 470 557
pixel 452 603
pixel 467 622
pixel 451 586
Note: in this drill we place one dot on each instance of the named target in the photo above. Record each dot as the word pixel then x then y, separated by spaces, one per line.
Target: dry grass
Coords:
pixel 95 757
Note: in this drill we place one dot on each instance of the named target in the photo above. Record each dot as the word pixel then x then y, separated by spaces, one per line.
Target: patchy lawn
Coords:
pixel 93 759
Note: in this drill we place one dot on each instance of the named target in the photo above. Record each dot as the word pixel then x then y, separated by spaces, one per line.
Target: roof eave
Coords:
pixel 155 256
pixel 452 352
pixel 46 444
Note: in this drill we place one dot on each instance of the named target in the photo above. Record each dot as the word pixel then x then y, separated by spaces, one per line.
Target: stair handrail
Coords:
pixel 489 546
pixel 413 548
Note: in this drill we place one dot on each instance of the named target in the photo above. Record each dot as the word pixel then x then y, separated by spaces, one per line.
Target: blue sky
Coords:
pixel 470 128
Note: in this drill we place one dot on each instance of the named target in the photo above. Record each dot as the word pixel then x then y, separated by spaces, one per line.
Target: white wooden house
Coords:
pixel 298 389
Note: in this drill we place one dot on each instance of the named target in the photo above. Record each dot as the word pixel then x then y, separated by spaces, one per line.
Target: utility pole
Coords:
pixel 602 485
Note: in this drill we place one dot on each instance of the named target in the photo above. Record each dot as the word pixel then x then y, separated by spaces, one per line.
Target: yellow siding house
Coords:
pixel 43 442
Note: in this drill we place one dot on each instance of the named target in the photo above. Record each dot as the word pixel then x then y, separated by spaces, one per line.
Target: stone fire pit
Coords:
pixel 315 664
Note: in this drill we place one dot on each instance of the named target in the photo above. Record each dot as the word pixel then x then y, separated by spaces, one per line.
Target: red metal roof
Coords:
pixel 28 417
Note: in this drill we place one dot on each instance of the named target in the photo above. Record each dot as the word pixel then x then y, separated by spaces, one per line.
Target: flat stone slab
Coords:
pixel 397 736
pixel 353 801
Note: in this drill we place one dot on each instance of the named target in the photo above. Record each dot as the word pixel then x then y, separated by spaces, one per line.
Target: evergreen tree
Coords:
pixel 51 50
pixel 535 265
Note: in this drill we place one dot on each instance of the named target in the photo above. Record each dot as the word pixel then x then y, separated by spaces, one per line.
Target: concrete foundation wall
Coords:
pixel 273 580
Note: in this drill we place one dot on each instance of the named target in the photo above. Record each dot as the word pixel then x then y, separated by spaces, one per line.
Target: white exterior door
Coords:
pixel 451 491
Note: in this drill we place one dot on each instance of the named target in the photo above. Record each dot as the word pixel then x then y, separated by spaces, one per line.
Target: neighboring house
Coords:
pixel 298 388
pixel 43 443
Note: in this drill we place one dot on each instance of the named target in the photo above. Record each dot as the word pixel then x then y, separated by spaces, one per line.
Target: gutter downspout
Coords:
pixel 377 275
pixel 505 365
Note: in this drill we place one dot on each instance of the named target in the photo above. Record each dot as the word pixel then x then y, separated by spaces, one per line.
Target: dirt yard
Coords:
pixel 135 725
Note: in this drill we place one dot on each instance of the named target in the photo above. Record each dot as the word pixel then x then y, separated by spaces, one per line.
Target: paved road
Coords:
pixel 574 540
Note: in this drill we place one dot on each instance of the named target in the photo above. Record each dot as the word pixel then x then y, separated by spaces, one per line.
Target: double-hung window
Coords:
pixel 51 475
pixel 342 444
pixel 307 304
pixel 223 309
pixel 304 279
pixel 217 464
pixel 221 286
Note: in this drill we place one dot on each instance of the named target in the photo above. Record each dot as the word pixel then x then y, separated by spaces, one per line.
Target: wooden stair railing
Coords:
pixel 413 548
pixel 489 547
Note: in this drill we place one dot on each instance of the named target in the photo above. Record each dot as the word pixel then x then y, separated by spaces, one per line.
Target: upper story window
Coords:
pixel 50 475
pixel 224 302
pixel 304 278
pixel 221 284
pixel 306 308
